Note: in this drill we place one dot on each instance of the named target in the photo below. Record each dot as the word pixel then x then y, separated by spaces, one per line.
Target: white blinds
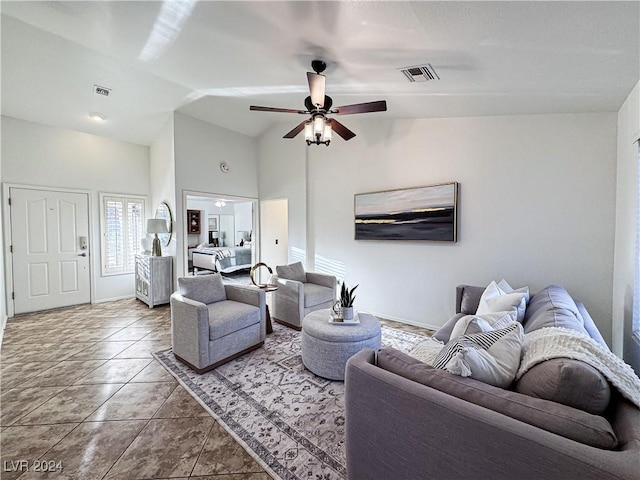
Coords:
pixel 123 228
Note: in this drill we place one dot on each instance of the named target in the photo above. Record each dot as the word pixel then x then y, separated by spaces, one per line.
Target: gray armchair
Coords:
pixel 212 323
pixel 300 293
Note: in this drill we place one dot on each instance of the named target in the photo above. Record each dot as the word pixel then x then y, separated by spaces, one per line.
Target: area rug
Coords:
pixel 288 419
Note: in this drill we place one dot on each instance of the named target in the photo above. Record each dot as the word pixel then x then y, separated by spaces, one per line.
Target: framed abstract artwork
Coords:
pixel 419 213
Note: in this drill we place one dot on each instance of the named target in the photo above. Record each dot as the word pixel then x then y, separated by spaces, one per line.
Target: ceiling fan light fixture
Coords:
pixel 318 131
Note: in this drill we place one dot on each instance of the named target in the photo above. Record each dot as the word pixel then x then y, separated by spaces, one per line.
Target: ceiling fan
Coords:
pixel 318 129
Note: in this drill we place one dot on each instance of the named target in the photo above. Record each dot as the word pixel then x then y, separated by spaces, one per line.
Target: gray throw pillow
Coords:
pixel 294 271
pixel 553 417
pixel 567 381
pixel 206 288
pixel 444 332
pixel 552 307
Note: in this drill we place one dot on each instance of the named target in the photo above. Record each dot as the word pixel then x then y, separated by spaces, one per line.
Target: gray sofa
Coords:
pixel 407 420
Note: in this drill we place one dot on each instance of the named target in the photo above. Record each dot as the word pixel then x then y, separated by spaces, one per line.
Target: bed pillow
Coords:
pixel 294 271
pixel 495 300
pixel 490 357
pixel 482 323
pixel 206 289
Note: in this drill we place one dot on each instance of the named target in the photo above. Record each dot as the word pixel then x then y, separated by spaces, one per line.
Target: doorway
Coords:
pixel 274 225
pixel 49 249
pixel 224 242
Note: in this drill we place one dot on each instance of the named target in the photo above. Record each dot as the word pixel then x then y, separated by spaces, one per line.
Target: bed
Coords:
pixel 222 259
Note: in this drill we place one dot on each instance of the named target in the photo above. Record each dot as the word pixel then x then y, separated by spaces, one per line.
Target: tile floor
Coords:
pixel 80 393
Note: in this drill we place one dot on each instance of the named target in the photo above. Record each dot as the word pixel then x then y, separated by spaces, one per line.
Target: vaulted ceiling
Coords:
pixel 211 60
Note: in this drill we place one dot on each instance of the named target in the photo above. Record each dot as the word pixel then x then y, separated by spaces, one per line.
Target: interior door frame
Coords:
pixel 6 225
pixel 183 249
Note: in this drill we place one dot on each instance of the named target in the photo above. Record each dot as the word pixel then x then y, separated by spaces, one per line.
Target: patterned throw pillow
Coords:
pixel 490 357
pixel 482 323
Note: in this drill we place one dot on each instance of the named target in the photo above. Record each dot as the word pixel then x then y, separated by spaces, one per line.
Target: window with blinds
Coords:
pixel 122 231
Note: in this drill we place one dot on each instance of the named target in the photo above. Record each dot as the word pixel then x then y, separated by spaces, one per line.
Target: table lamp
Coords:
pixel 157 225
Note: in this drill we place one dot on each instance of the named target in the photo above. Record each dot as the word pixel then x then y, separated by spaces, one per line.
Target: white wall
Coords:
pixel 200 147
pixel 3 289
pixel 536 206
pixel 282 174
pixel 35 154
pixel 243 216
pixel 625 239
pixel 162 178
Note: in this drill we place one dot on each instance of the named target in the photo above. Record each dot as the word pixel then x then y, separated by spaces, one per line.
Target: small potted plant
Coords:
pixel 346 301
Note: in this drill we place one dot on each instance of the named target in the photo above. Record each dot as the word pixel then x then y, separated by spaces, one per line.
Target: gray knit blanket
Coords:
pixel 556 342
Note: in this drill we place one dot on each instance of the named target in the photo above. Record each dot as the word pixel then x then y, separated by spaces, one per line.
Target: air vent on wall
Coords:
pixel 420 73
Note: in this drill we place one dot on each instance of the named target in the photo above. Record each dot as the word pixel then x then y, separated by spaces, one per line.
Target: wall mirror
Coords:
pixel 164 212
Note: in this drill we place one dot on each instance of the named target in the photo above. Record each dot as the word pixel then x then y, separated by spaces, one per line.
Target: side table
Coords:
pixel 267 289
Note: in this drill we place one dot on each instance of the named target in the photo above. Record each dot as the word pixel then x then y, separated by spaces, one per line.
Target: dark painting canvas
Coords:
pixel 421 213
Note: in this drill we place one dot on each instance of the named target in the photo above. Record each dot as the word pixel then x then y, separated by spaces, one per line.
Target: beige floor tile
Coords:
pixel 154 372
pixel 129 333
pixel 28 443
pixel 143 349
pixel 93 334
pixel 134 401
pixel 71 405
pixel 222 454
pixel 114 371
pixel 14 374
pixel 165 448
pixel 64 373
pixel 160 334
pixel 90 450
pixel 234 476
pixel 102 350
pixel 18 402
pixel 181 404
pixel 46 352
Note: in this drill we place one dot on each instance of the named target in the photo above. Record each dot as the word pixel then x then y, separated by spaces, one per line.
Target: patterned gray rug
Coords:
pixel 290 420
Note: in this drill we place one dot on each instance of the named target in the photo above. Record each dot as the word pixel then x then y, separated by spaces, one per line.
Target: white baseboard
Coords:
pixel 113 299
pixel 404 320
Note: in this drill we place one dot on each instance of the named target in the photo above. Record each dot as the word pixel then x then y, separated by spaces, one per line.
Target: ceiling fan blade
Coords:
pixel 274 109
pixel 379 106
pixel 316 88
pixel 296 130
pixel 341 130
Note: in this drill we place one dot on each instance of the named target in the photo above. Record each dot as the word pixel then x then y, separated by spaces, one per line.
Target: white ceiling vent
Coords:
pixel 420 73
pixel 98 90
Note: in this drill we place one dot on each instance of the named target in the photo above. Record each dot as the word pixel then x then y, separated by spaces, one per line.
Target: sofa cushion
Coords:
pixel 227 316
pixel 567 381
pixel 589 325
pixel 568 422
pixel 294 271
pixel 495 300
pixel 553 307
pixel 468 298
pixel 491 357
pixel 206 289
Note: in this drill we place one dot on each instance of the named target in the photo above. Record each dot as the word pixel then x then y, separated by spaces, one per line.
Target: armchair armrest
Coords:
pixel 190 330
pixel 250 295
pixel 322 279
pixel 292 290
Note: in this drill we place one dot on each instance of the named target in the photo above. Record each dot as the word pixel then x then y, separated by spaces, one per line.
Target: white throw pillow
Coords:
pixel 491 357
pixel 493 300
pixel 481 323
pixel 506 288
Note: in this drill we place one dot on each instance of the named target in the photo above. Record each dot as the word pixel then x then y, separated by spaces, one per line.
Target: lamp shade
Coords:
pixel 157 225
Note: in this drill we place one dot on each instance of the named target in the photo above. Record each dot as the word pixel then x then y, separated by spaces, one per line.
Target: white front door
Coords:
pixel 50 241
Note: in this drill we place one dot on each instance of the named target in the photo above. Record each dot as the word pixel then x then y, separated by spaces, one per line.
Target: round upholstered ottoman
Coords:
pixel 327 347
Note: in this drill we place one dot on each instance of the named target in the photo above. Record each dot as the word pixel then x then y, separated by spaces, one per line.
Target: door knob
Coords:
pixel 83 254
